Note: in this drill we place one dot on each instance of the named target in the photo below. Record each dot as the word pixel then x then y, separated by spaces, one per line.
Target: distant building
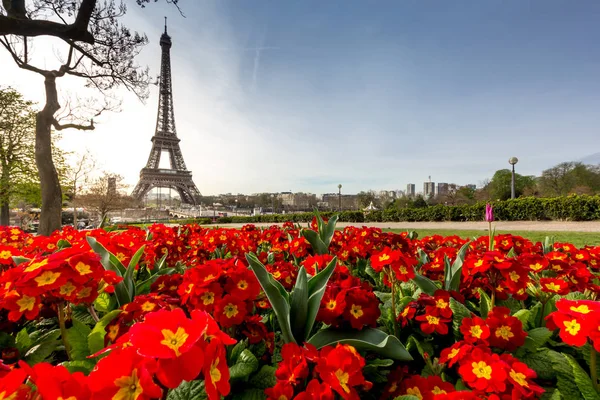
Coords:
pixel 410 190
pixel 428 189
pixel 442 189
pixel 471 186
pixel 287 198
pixel 112 185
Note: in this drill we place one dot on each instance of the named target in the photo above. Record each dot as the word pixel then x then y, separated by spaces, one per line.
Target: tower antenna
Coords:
pixel 165 24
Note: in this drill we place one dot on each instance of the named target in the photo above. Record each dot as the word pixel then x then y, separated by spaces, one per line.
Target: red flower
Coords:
pixel 484 371
pixel 362 308
pixel 230 311
pixel 316 390
pixel 216 372
pixel 293 366
pixel 282 390
pixel 55 382
pixel 341 368
pixel 474 330
pixel 521 376
pixel 574 329
pixel 332 305
pixel 124 374
pixel 455 353
pixel 506 331
pixel 12 387
pixel 242 283
pixel 554 285
pixel 386 257
pixel 430 322
pixel 171 337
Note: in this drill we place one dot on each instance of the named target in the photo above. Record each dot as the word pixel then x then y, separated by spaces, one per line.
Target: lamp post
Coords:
pixel 512 161
pixel 340 197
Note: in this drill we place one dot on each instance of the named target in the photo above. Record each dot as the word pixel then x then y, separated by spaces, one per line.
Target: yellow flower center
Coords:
pixel 573 327
pixel 482 370
pixel 504 332
pixel 478 263
pixel 441 303
pixel 514 276
pixel 536 266
pixel 174 340
pixel 476 331
pixel 26 303
pixel 84 293
pixel 83 268
pixel 67 289
pixel 582 309
pixel 453 353
pixel 414 391
pixel 36 265
pixel 231 310
pixel 431 320
pixel 518 377
pixel 148 306
pixel 130 388
pixel 438 390
pixel 215 374
pixel 47 278
pixel 384 257
pixel 356 311
pixel 243 285
pixel 343 378
pixel 5 254
pixel 208 298
pixel 553 287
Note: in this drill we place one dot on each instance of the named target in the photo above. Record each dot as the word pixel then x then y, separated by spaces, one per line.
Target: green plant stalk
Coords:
pixel 492 300
pixel 394 313
pixel 593 369
pixel 63 330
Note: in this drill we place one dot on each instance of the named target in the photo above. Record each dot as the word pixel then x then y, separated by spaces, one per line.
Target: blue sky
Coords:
pixel 369 94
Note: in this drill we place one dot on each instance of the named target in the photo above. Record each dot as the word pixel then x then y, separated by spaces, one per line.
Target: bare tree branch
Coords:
pixel 60 127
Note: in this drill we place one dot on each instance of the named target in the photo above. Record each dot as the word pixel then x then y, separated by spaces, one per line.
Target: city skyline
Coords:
pixel 310 95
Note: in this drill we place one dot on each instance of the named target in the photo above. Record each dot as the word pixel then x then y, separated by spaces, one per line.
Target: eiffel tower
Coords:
pixel 165 139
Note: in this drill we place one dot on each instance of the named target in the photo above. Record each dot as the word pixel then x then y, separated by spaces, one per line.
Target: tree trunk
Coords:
pixel 51 215
pixel 4 213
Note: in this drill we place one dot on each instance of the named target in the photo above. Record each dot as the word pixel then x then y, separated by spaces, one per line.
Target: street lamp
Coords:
pixel 512 161
pixel 340 197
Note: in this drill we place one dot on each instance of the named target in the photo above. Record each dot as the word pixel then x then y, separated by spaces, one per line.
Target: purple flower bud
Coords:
pixel 489 213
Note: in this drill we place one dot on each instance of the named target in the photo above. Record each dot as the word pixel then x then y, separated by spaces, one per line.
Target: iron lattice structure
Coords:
pixel 165 139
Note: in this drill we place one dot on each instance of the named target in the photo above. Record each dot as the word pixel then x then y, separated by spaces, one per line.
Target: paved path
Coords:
pixel 548 226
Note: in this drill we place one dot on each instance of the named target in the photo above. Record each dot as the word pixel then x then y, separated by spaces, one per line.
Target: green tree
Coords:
pixel 17 141
pixel 499 186
pixel 365 198
pixel 104 196
pixel 568 178
pixel 96 47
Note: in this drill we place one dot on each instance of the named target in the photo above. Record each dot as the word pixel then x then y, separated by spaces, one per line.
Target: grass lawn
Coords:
pixel 578 239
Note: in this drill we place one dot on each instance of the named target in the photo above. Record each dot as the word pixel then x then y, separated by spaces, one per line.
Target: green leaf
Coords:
pixel 23 341
pixel 381 362
pixel 425 284
pixel 537 338
pixel 246 364
pixel 459 312
pixel 237 350
pixel 41 352
pixel 422 256
pixel 77 336
pixel 20 260
pixel 277 295
pixel 264 378
pixel 111 263
pixel 96 336
pixel 193 390
pixel 105 302
pixel 541 363
pixel 84 366
pixel 406 397
pixel 421 346
pixel 329 230
pixel 523 316
pixel 366 339
pixel 548 244
pixel 583 381
pixel 485 304
pixel 63 244
pixel 128 279
pixel 316 290
pixel 299 306
pixel 315 241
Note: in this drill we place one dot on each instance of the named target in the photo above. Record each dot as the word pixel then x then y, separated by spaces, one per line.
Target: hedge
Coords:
pixel 571 208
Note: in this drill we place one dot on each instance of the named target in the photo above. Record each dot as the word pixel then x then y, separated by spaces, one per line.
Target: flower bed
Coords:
pixel 295 313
